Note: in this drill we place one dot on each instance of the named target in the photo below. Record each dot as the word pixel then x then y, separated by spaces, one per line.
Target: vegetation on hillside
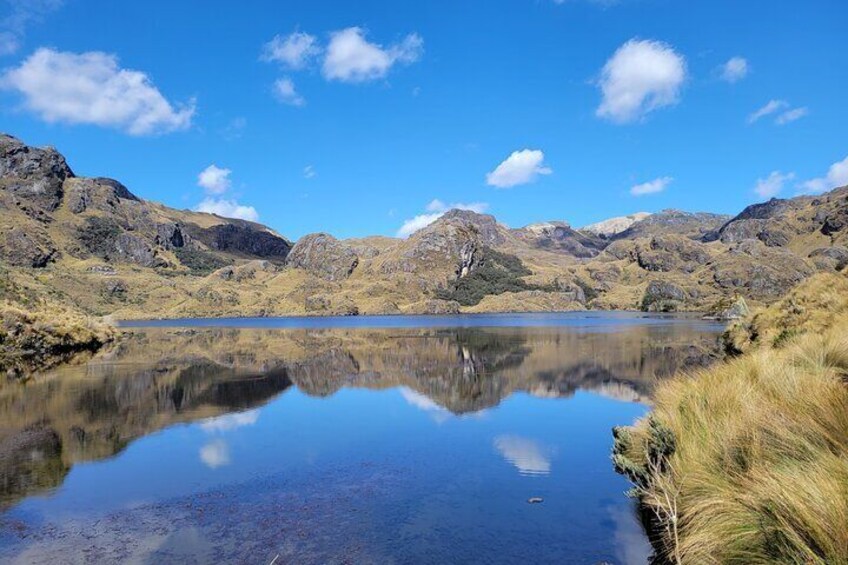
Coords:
pixel 747 462
pixel 496 273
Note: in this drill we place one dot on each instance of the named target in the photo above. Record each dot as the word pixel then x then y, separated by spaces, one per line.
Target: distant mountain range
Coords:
pixel 93 244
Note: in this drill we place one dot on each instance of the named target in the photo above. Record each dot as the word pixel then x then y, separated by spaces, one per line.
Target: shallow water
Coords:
pixel 381 440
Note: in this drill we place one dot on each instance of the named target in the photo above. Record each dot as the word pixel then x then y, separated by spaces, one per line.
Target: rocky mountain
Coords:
pixel 94 244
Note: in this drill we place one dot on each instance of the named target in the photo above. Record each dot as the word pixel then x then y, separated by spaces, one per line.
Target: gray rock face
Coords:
pixel 170 236
pixel 97 193
pixel 22 249
pixel 663 296
pixel 135 250
pixel 33 176
pixel 323 256
pixel 759 272
pixel 670 253
pixel 830 258
pixel 242 238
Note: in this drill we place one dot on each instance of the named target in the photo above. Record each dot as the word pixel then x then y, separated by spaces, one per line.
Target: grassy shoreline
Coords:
pixel 32 340
pixel 747 461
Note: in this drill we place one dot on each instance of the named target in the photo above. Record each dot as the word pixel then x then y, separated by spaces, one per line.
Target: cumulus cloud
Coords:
pixel 351 57
pixel 837 176
pixel 215 454
pixel 640 77
pixel 528 456
pixel 91 88
pixel 521 167
pixel 21 14
pixel 433 211
pixel 734 70
pixel 651 187
pixel 228 208
pixel 286 93
pixel 772 185
pixel 214 179
pixel 294 51
pixel 791 115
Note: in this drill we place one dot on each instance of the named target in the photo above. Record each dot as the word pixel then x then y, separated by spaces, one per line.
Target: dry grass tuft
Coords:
pixel 758 472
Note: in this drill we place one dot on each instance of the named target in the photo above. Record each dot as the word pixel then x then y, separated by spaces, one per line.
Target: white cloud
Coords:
pixel 521 167
pixel 527 455
pixel 837 176
pixel 309 172
pixel 91 88
pixel 214 180
pixel 772 185
pixel 639 78
pixel 651 187
pixel 285 92
pixel 435 210
pixel 230 422
pixel 294 51
pixel 228 208
pixel 215 454
pixel 351 58
pixel 771 107
pixel 20 15
pixel 734 70
pixel 791 115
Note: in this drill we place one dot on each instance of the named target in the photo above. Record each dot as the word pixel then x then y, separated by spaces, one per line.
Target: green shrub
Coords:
pixel 495 273
pixel 199 262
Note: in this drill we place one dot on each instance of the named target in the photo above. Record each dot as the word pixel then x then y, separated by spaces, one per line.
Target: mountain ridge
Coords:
pixel 93 243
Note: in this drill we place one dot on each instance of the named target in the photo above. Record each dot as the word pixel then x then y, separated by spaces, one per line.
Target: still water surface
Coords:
pixel 382 440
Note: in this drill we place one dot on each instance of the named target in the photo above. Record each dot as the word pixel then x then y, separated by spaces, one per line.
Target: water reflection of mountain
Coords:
pixel 154 379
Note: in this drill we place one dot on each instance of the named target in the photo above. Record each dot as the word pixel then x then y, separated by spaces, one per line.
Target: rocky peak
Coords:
pixel 614 226
pixel 324 256
pixel 32 176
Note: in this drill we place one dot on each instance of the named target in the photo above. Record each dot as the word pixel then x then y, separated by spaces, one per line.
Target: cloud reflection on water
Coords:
pixel 528 456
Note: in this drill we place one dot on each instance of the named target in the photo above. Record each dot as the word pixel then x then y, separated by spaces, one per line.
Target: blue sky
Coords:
pixel 375 110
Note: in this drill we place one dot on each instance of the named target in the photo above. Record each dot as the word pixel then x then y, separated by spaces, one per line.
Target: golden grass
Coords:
pixel 43 334
pixel 747 462
pixel 811 307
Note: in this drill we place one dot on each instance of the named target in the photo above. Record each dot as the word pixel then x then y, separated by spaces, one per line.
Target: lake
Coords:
pixel 339 440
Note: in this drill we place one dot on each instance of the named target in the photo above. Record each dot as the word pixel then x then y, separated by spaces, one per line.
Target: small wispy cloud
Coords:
pixel 651 187
pixel 837 176
pixel 285 92
pixel 781 110
pixel 734 70
pixel 772 185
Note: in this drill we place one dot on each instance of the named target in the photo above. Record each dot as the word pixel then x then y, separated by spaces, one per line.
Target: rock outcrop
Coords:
pixel 323 256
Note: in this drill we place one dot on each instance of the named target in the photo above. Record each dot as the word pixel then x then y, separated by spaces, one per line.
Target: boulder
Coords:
pixel 830 258
pixel 663 296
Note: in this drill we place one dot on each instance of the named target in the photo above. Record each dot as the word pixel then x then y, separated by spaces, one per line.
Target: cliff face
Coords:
pixel 93 243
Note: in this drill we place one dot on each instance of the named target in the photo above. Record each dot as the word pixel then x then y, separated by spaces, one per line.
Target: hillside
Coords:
pixel 94 244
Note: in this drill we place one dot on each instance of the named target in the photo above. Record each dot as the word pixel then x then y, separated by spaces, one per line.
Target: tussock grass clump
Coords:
pixel 755 463
pixel 33 339
pixel 811 307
